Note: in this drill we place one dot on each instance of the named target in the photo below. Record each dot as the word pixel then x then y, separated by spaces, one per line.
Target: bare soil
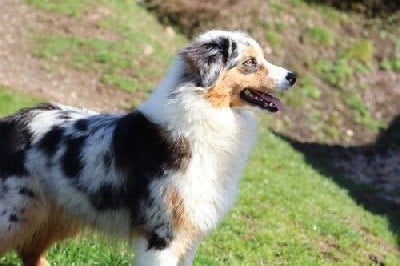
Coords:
pixel 20 71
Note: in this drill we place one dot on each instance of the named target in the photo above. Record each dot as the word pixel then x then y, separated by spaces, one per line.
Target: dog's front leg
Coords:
pixel 143 256
pixel 158 225
pixel 188 257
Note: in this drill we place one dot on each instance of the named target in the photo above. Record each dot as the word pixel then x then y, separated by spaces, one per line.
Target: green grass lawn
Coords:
pixel 287 213
pixel 11 101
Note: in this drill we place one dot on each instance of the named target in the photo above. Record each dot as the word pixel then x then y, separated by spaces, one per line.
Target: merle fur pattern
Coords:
pixel 207 60
pixel 130 151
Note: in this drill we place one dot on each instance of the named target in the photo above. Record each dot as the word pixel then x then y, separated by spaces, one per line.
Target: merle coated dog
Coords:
pixel 163 176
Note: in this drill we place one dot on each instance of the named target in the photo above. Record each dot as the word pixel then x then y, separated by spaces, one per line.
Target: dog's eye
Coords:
pixel 250 62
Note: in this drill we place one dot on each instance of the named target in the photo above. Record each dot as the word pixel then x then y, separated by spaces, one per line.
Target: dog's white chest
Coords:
pixel 207 199
pixel 210 184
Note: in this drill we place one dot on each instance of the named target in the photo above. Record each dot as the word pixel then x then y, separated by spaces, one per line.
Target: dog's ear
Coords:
pixel 206 60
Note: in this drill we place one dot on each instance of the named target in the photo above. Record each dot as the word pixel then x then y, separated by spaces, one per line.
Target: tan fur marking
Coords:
pixel 225 92
pixel 40 225
pixel 185 231
pixel 251 52
pixel 55 228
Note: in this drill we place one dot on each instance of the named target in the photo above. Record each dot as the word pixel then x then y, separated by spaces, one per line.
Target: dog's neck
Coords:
pixel 155 107
pixel 181 107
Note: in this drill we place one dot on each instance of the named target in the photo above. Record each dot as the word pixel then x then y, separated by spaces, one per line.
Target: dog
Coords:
pixel 163 176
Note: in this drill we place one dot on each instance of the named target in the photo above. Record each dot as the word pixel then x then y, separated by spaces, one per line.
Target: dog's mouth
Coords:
pixel 261 99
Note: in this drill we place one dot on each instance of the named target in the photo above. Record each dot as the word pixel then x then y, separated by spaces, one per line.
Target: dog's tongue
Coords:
pixel 268 98
pixel 272 99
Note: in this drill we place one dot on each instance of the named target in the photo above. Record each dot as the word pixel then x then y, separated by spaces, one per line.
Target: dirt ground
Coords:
pixel 20 71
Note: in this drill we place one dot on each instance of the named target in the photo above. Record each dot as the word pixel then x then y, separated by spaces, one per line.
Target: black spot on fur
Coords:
pixel 107 160
pixel 107 197
pixel 27 192
pixel 81 125
pixel 4 212
pixel 157 242
pixel 5 189
pixel 150 202
pixel 71 160
pixel 50 140
pixel 225 50
pixel 13 218
pixel 234 53
pixel 16 138
pixel 145 151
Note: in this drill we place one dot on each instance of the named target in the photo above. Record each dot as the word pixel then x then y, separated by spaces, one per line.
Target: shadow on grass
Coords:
pixel 370 173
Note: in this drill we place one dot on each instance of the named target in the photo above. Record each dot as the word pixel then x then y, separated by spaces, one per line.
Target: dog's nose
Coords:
pixel 291 77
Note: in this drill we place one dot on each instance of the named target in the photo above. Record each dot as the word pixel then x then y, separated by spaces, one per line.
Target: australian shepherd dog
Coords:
pixel 163 176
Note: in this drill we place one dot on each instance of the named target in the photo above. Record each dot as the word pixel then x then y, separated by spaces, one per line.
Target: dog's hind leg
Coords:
pixel 34 260
pixel 22 211
pixel 56 227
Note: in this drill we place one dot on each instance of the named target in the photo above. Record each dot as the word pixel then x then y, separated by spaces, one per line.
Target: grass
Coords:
pixel 308 89
pixel 68 7
pixel 392 64
pixel 88 250
pixel 319 35
pixel 273 38
pixel 287 213
pixel 362 114
pixel 362 52
pixel 11 101
pixel 336 73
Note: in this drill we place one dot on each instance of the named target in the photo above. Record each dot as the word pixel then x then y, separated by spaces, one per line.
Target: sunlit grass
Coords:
pixel 11 101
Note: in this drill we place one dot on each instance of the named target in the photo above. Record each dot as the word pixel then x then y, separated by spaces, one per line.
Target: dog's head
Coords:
pixel 232 68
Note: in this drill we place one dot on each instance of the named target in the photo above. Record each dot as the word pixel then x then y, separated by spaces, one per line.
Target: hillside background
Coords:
pixel 323 186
